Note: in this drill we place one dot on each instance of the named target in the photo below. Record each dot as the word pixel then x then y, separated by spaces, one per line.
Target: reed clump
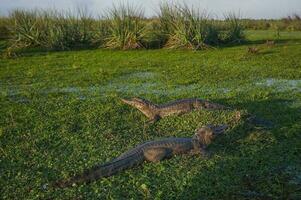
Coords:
pixel 126 28
pixel 184 27
pixel 52 29
pixel 122 27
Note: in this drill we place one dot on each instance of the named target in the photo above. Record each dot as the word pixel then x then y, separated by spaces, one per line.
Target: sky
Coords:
pixel 217 8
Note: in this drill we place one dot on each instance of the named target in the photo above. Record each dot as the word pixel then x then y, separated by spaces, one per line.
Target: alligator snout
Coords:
pixel 133 101
pixel 125 101
pixel 216 130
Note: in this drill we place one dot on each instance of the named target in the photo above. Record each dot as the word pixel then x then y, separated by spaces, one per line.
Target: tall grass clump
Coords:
pixel 127 30
pixel 185 27
pixel 50 29
pixel 26 27
pixel 101 32
pixel 233 30
pixel 72 31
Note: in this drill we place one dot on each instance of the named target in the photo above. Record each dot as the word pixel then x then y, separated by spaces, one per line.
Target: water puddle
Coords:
pixel 138 75
pixel 141 83
pixel 281 85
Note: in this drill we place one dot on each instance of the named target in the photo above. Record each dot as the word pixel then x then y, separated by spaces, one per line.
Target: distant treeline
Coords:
pixel 126 27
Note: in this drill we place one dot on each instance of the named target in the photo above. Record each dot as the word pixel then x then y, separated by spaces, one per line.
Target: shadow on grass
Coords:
pixel 29 52
pixel 251 163
pixel 43 52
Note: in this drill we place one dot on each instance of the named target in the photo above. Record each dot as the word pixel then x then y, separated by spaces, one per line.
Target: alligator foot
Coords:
pixel 153 120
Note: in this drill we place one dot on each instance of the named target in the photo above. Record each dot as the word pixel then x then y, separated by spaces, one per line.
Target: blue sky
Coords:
pixel 246 8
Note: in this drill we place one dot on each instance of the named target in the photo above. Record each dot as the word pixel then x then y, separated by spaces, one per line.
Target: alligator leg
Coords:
pixel 200 152
pixel 154 119
pixel 157 153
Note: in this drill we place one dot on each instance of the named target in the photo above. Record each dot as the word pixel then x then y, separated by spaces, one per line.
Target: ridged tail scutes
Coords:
pixel 101 171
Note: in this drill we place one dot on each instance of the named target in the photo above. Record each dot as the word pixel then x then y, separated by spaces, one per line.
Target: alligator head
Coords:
pixel 206 134
pixel 136 102
pixel 139 103
pixel 145 106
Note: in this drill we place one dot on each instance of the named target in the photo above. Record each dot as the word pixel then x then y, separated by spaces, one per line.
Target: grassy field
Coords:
pixel 61 114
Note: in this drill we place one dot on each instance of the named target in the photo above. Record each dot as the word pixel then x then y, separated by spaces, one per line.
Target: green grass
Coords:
pixel 61 114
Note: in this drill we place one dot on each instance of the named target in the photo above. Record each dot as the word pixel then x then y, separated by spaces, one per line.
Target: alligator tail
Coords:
pixel 100 171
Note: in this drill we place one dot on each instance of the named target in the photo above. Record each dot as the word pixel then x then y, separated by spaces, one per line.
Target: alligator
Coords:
pixel 152 151
pixel 253 50
pixel 270 43
pixel 155 112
